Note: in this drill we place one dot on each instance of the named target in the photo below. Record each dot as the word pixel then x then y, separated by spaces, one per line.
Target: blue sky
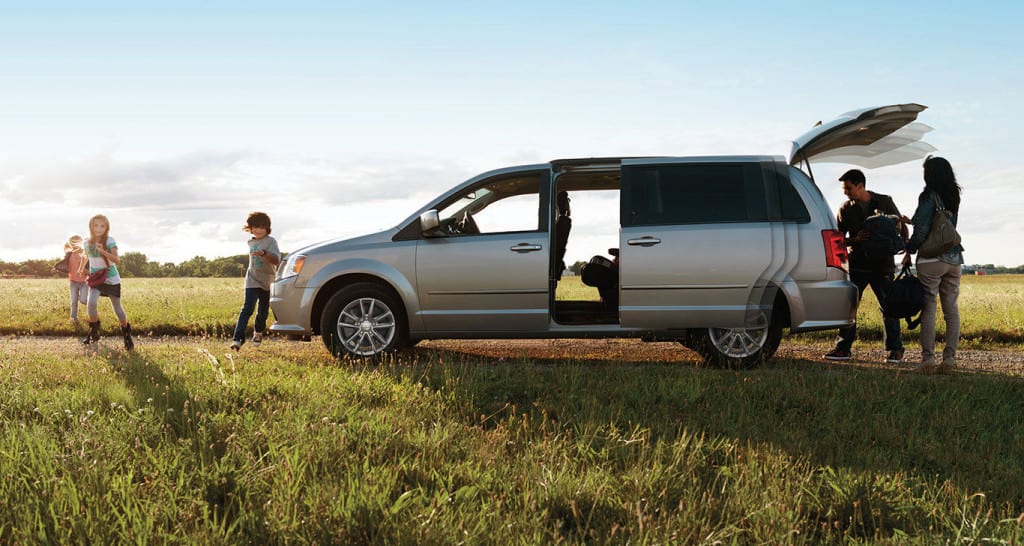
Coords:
pixel 342 118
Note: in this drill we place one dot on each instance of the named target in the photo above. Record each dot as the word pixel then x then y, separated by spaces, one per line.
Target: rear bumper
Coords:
pixel 826 305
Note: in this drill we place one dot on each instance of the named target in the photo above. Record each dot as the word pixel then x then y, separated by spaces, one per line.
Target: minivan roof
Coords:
pixel 591 163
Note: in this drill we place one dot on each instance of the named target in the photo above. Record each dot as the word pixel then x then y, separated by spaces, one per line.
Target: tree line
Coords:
pixel 993 269
pixel 988 269
pixel 136 264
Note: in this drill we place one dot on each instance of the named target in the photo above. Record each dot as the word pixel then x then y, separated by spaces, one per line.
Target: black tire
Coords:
pixel 363 320
pixel 740 348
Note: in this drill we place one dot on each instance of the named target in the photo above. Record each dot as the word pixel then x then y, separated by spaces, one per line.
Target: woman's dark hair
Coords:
pixel 939 177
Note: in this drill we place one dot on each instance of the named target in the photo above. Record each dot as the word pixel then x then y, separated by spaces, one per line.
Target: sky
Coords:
pixel 176 119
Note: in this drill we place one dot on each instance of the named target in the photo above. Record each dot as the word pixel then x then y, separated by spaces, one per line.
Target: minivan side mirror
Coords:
pixel 429 222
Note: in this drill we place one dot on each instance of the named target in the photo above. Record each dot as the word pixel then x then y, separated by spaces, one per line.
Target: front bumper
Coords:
pixel 292 307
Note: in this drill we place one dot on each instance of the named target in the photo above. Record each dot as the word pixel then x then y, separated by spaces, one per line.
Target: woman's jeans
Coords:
pixel 79 294
pixel 942 280
pixel 252 297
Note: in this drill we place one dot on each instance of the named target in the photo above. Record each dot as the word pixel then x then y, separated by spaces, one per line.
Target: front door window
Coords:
pixel 503 206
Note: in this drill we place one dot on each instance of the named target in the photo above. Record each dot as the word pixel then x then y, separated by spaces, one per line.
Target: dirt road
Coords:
pixel 1002 361
pixel 630 350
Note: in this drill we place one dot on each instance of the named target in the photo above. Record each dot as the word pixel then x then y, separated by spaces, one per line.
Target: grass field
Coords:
pixel 174 306
pixel 991 308
pixel 182 441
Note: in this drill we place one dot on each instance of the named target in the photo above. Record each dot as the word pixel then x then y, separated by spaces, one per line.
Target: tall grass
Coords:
pixel 991 312
pixel 172 306
pixel 181 442
pixel 991 308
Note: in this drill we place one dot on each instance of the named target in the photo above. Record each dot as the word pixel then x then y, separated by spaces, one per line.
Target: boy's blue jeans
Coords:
pixel 253 296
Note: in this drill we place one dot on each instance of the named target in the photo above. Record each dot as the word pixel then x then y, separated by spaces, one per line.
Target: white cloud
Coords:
pixel 175 208
pixel 178 207
pixel 102 181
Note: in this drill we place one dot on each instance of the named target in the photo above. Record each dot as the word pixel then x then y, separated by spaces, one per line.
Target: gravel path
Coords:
pixel 1004 361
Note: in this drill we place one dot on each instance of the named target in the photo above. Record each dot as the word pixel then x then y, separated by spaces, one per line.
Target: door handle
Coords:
pixel 644 241
pixel 525 247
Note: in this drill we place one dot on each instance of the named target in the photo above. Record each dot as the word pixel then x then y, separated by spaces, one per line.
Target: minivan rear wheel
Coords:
pixel 363 320
pixel 744 347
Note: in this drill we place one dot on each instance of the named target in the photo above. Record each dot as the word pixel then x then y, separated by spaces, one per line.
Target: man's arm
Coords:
pixel 892 209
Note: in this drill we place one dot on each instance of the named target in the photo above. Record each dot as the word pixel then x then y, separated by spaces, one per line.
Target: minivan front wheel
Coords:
pixel 363 320
pixel 745 347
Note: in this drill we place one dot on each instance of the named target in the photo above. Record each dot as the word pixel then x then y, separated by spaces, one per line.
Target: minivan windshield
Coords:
pixel 471 202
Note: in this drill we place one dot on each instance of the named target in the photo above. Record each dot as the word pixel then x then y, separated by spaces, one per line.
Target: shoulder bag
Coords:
pixel 942 236
pixel 98 277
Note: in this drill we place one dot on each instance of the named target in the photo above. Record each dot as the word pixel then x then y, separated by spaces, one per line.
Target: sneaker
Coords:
pixel 236 345
pixel 947 366
pixel 257 339
pixel 895 356
pixel 926 367
pixel 838 354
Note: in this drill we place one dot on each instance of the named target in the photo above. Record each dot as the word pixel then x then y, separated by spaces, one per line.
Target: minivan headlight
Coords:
pixel 292 266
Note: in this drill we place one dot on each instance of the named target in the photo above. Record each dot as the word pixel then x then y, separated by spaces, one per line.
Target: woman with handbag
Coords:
pixel 939 257
pixel 104 280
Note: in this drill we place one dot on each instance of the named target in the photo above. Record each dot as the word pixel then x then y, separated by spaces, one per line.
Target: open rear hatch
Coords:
pixel 870 138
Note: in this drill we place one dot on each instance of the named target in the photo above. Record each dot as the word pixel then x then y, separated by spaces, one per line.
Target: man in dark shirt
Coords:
pixel 865 270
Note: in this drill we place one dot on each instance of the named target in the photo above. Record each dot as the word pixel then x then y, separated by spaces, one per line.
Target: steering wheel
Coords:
pixel 467 225
pixel 461 226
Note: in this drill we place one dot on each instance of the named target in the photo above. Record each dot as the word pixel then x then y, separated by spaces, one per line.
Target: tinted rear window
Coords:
pixel 792 207
pixel 696 193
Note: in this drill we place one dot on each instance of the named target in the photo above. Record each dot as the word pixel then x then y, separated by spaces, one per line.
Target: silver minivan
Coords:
pixel 719 253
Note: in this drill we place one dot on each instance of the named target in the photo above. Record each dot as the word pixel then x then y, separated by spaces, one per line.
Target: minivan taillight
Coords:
pixel 835 248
